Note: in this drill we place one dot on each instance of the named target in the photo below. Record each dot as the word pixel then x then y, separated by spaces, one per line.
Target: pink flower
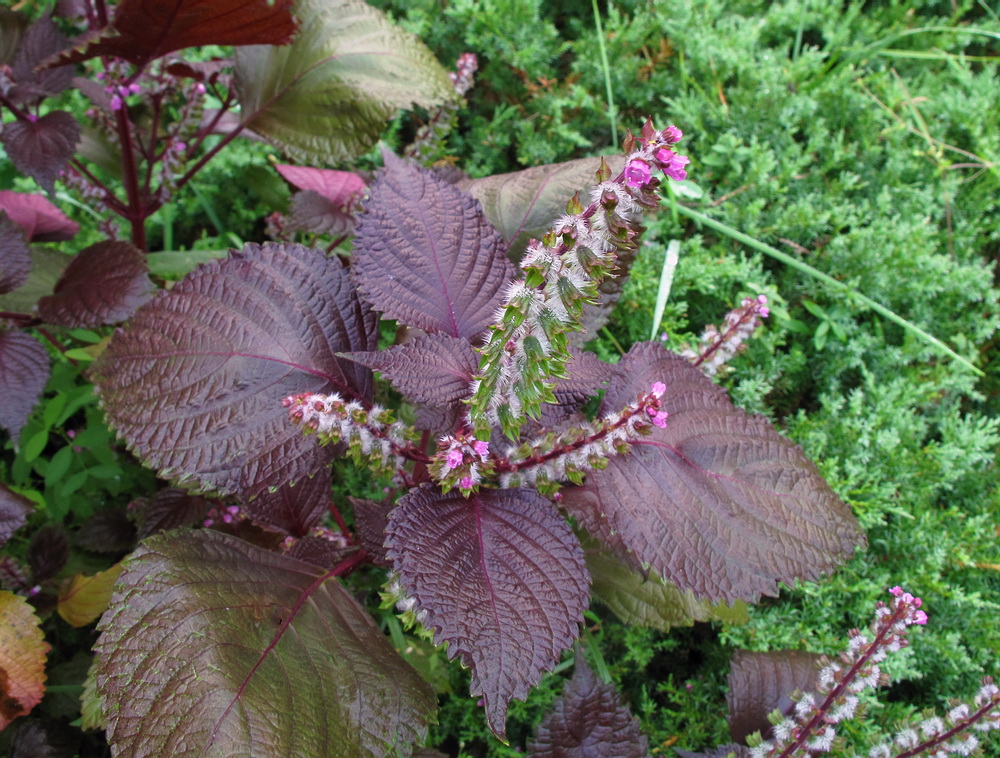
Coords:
pixel 660 419
pixel 465 483
pixel 481 447
pixel 658 389
pixel 637 173
pixel 920 618
pixel 675 167
pixel 663 155
pixel 116 103
pixel 672 134
pixel 455 458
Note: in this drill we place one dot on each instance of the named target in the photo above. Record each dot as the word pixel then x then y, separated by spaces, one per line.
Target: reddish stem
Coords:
pixel 341 524
pixel 723 337
pixel 349 564
pixel 114 204
pixel 137 213
pixel 26 319
pixel 58 345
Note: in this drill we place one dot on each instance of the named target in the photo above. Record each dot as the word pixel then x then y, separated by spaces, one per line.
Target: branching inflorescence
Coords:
pixel 811 727
pixel 528 345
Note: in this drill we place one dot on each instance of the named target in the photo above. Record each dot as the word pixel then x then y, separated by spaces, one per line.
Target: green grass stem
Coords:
pixel 606 68
pixel 805 268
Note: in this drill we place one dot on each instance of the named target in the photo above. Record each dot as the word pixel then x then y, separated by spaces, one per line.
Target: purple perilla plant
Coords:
pixel 811 726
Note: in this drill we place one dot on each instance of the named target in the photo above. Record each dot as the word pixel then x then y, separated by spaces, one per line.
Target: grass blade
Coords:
pixel 805 268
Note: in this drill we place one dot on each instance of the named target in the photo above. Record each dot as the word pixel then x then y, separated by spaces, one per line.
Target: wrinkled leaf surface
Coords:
pixel 194 383
pixel 24 370
pixel 212 646
pixel 718 502
pixel 426 256
pixel 22 658
pixel 502 580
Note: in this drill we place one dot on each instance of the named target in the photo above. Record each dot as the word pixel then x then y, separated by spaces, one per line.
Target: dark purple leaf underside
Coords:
pixel 717 502
pixel 40 219
pixel 502 580
pixel 212 646
pixel 312 213
pixel 48 552
pixel 294 508
pixel 426 256
pixel 15 255
pixel 107 531
pixel 13 25
pixel 41 41
pixel 14 509
pixel 143 30
pixel 194 383
pixel 24 370
pixel 762 682
pixel 104 284
pixel 42 148
pixel 435 369
pixel 168 509
pixel 588 720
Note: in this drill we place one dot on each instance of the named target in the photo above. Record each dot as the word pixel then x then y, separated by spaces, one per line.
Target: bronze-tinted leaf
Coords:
pixel 214 646
pixel 143 30
pixel 326 97
pixel 426 256
pixel 717 502
pixel 22 658
pixel 525 204
pixel 195 382
pixel 104 284
pixel 24 371
pixel 588 720
pixel 501 578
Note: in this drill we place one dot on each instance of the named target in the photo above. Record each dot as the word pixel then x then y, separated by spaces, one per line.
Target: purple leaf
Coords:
pixel 312 213
pixel 212 646
pixel 24 370
pixel 104 284
pixel 586 375
pixel 42 148
pixel 762 682
pixel 293 508
pixel 143 30
pixel 107 531
pixel 14 509
pixel 44 739
pixel 370 520
pixel 15 255
pixel 48 552
pixel 502 580
pixel 426 256
pixel 168 509
pixel 339 187
pixel 319 551
pixel 717 502
pixel 40 219
pixel 41 41
pixel 194 383
pixel 524 204
pixel 588 720
pixel 435 369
